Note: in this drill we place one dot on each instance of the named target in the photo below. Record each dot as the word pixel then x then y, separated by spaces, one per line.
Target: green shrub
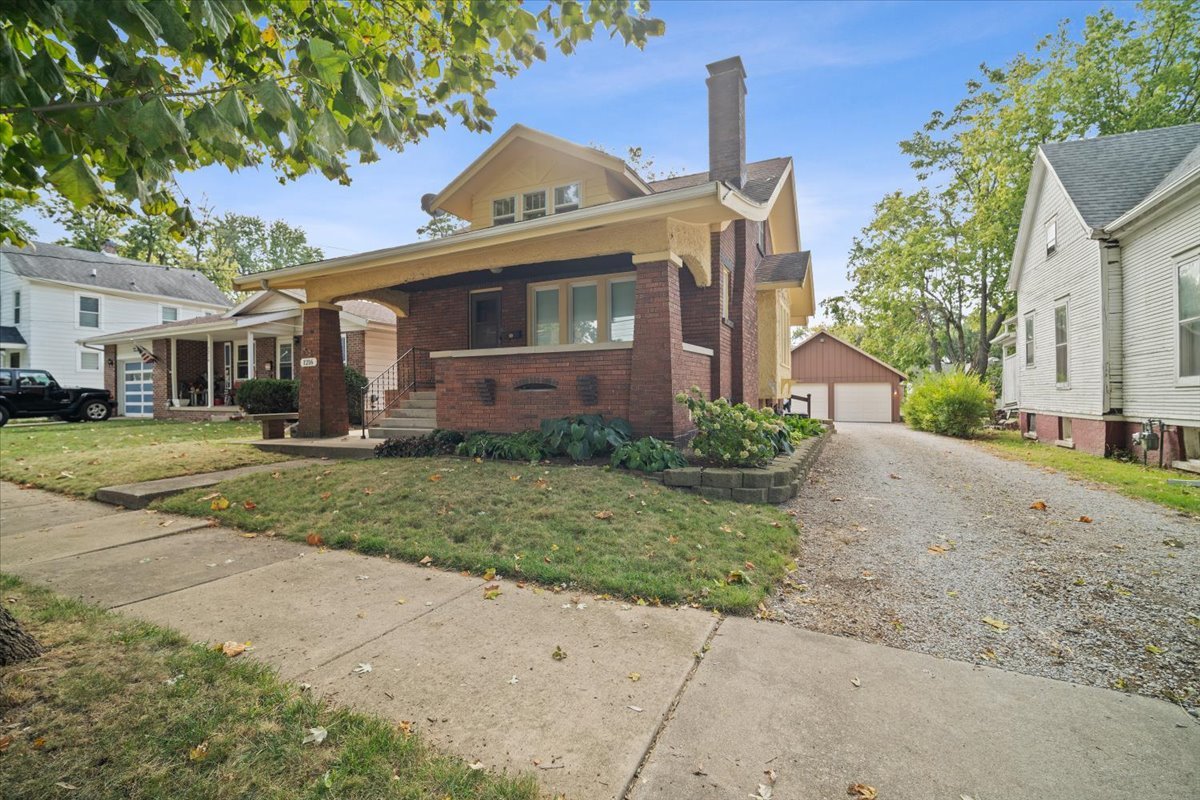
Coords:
pixel 735 435
pixel 268 396
pixel 583 437
pixel 435 443
pixel 949 403
pixel 355 383
pixel 648 455
pixel 524 446
pixel 801 428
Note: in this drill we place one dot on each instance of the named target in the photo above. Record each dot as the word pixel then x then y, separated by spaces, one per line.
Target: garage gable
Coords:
pixel 824 358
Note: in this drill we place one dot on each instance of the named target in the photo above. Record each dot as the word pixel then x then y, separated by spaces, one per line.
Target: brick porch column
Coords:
pixel 657 350
pixel 323 410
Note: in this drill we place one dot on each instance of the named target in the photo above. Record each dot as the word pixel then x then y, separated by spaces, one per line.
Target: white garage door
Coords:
pixel 862 402
pixel 820 399
pixel 138 388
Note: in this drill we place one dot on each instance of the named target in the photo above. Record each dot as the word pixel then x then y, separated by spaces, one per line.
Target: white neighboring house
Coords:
pixel 1107 277
pixel 53 297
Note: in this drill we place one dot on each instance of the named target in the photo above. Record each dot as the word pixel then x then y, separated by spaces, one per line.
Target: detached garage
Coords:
pixel 846 384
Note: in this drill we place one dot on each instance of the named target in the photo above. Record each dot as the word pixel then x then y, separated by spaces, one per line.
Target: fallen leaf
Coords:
pixel 406 727
pixel 478 765
pixel 995 623
pixel 672 539
pixel 635 676
pixel 249 505
pixel 314 539
pixel 491 591
pixel 66 786
pixel 65 474
pixel 638 709
pixel 989 654
pixel 894 476
pixel 735 576
pixel 233 649
pixel 514 477
pixel 174 680
pixel 855 682
pixel 1085 518
pixel 835 500
pixel 541 483
pixel 764 792
pixel 326 495
pixel 199 752
pixel 362 669
pixel 936 549
pixel 862 791
pixel 559 654
pixel 602 514
pixel 5 741
pixel 249 535
pixel 314 736
pixel 489 574
pixel 368 490
pixel 220 504
pixel 771 776
pixel 1038 505
pixel 1153 650
pixel 426 561
pixel 435 477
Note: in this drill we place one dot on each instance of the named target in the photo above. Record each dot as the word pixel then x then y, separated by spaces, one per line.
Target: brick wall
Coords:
pixel 695 369
pixel 162 380
pixel 461 407
pixel 744 311
pixel 356 351
pixel 264 351
pixel 112 380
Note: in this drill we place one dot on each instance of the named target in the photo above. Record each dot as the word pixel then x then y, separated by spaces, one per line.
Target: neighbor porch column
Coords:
pixel 323 411
pixel 657 351
pixel 174 370
pixel 209 373
pixel 250 371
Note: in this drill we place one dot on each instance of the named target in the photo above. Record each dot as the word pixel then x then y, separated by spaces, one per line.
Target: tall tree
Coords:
pixel 149 239
pixel 10 217
pixel 105 102
pixel 257 245
pixel 974 164
pixel 87 228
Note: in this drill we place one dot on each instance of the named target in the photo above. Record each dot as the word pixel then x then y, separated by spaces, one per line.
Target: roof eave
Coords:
pixel 1153 202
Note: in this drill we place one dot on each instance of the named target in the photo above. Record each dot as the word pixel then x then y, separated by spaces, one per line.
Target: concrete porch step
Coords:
pixel 423 423
pixel 419 412
pixel 418 401
pixel 397 433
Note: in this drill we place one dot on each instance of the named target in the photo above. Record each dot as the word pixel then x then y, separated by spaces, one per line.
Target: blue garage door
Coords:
pixel 139 389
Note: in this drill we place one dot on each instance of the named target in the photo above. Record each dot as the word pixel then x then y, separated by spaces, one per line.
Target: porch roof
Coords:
pixel 197 327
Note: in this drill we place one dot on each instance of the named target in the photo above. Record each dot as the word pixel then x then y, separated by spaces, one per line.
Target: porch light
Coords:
pixel 270 366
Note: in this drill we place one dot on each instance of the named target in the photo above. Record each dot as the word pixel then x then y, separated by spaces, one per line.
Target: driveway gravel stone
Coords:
pixel 914 540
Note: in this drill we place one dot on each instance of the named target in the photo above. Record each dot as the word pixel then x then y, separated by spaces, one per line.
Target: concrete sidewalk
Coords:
pixel 477 677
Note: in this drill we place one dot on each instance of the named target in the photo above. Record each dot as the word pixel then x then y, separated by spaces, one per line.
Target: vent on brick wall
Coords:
pixel 589 389
pixel 538 384
pixel 487 391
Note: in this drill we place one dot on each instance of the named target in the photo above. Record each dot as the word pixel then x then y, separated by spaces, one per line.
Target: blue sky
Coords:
pixel 834 85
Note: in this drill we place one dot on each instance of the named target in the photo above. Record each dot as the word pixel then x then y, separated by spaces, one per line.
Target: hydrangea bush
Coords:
pixel 734 435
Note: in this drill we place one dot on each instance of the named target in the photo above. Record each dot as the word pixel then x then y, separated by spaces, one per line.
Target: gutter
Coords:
pixel 592 216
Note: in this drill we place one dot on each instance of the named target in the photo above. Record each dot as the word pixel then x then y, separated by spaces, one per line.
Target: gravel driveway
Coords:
pixel 913 540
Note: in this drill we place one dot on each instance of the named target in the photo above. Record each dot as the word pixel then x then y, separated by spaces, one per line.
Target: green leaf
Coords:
pixel 360 88
pixel 328 61
pixel 328 133
pixel 76 182
pixel 273 99
pixel 231 109
pixel 156 126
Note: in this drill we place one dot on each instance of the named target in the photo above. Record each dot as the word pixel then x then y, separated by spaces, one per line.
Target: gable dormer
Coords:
pixel 527 174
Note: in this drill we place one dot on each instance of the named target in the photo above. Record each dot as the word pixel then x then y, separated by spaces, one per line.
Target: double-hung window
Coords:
pixel 89 360
pixel 17 307
pixel 1029 340
pixel 1062 367
pixel 1189 320
pixel 89 311
pixel 284 359
pixel 566 198
pixel 533 204
pixel 590 311
pixel 504 210
pixel 242 370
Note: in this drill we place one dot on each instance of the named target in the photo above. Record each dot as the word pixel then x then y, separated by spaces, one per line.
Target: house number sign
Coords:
pixel 308 362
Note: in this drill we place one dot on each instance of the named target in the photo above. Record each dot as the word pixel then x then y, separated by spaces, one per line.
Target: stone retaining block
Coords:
pixel 777 482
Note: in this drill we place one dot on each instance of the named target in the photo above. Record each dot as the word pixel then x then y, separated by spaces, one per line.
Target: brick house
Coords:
pixel 577 287
pixel 1106 271
pixel 198 362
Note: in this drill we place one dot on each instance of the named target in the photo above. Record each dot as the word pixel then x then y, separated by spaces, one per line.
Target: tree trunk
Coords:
pixel 15 644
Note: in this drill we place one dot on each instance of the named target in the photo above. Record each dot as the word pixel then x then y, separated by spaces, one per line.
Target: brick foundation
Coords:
pixel 1102 437
pixel 323 411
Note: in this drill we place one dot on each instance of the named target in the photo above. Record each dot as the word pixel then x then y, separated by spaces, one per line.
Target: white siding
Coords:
pixel 53 331
pixel 1074 270
pixel 380 349
pixel 9 283
pixel 1151 321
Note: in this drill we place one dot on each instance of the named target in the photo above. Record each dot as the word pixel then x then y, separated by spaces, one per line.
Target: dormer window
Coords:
pixel 533 204
pixel 566 198
pixel 504 210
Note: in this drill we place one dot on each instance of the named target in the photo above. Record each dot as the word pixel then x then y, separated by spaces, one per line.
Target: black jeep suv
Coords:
pixel 35 393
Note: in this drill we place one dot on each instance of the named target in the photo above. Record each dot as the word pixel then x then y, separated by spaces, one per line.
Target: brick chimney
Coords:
pixel 727 121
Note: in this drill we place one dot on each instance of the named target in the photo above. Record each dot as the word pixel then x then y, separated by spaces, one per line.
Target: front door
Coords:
pixel 485 319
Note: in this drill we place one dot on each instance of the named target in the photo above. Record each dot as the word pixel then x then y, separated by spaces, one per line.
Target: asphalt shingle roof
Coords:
pixel 784 267
pixel 10 335
pixel 1108 175
pixel 761 179
pixel 54 262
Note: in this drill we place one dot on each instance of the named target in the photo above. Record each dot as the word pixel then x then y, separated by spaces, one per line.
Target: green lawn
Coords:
pixel 80 458
pixel 95 718
pixel 1132 479
pixel 604 531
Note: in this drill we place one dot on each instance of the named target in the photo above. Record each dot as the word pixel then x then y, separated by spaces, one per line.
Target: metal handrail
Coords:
pixel 386 389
